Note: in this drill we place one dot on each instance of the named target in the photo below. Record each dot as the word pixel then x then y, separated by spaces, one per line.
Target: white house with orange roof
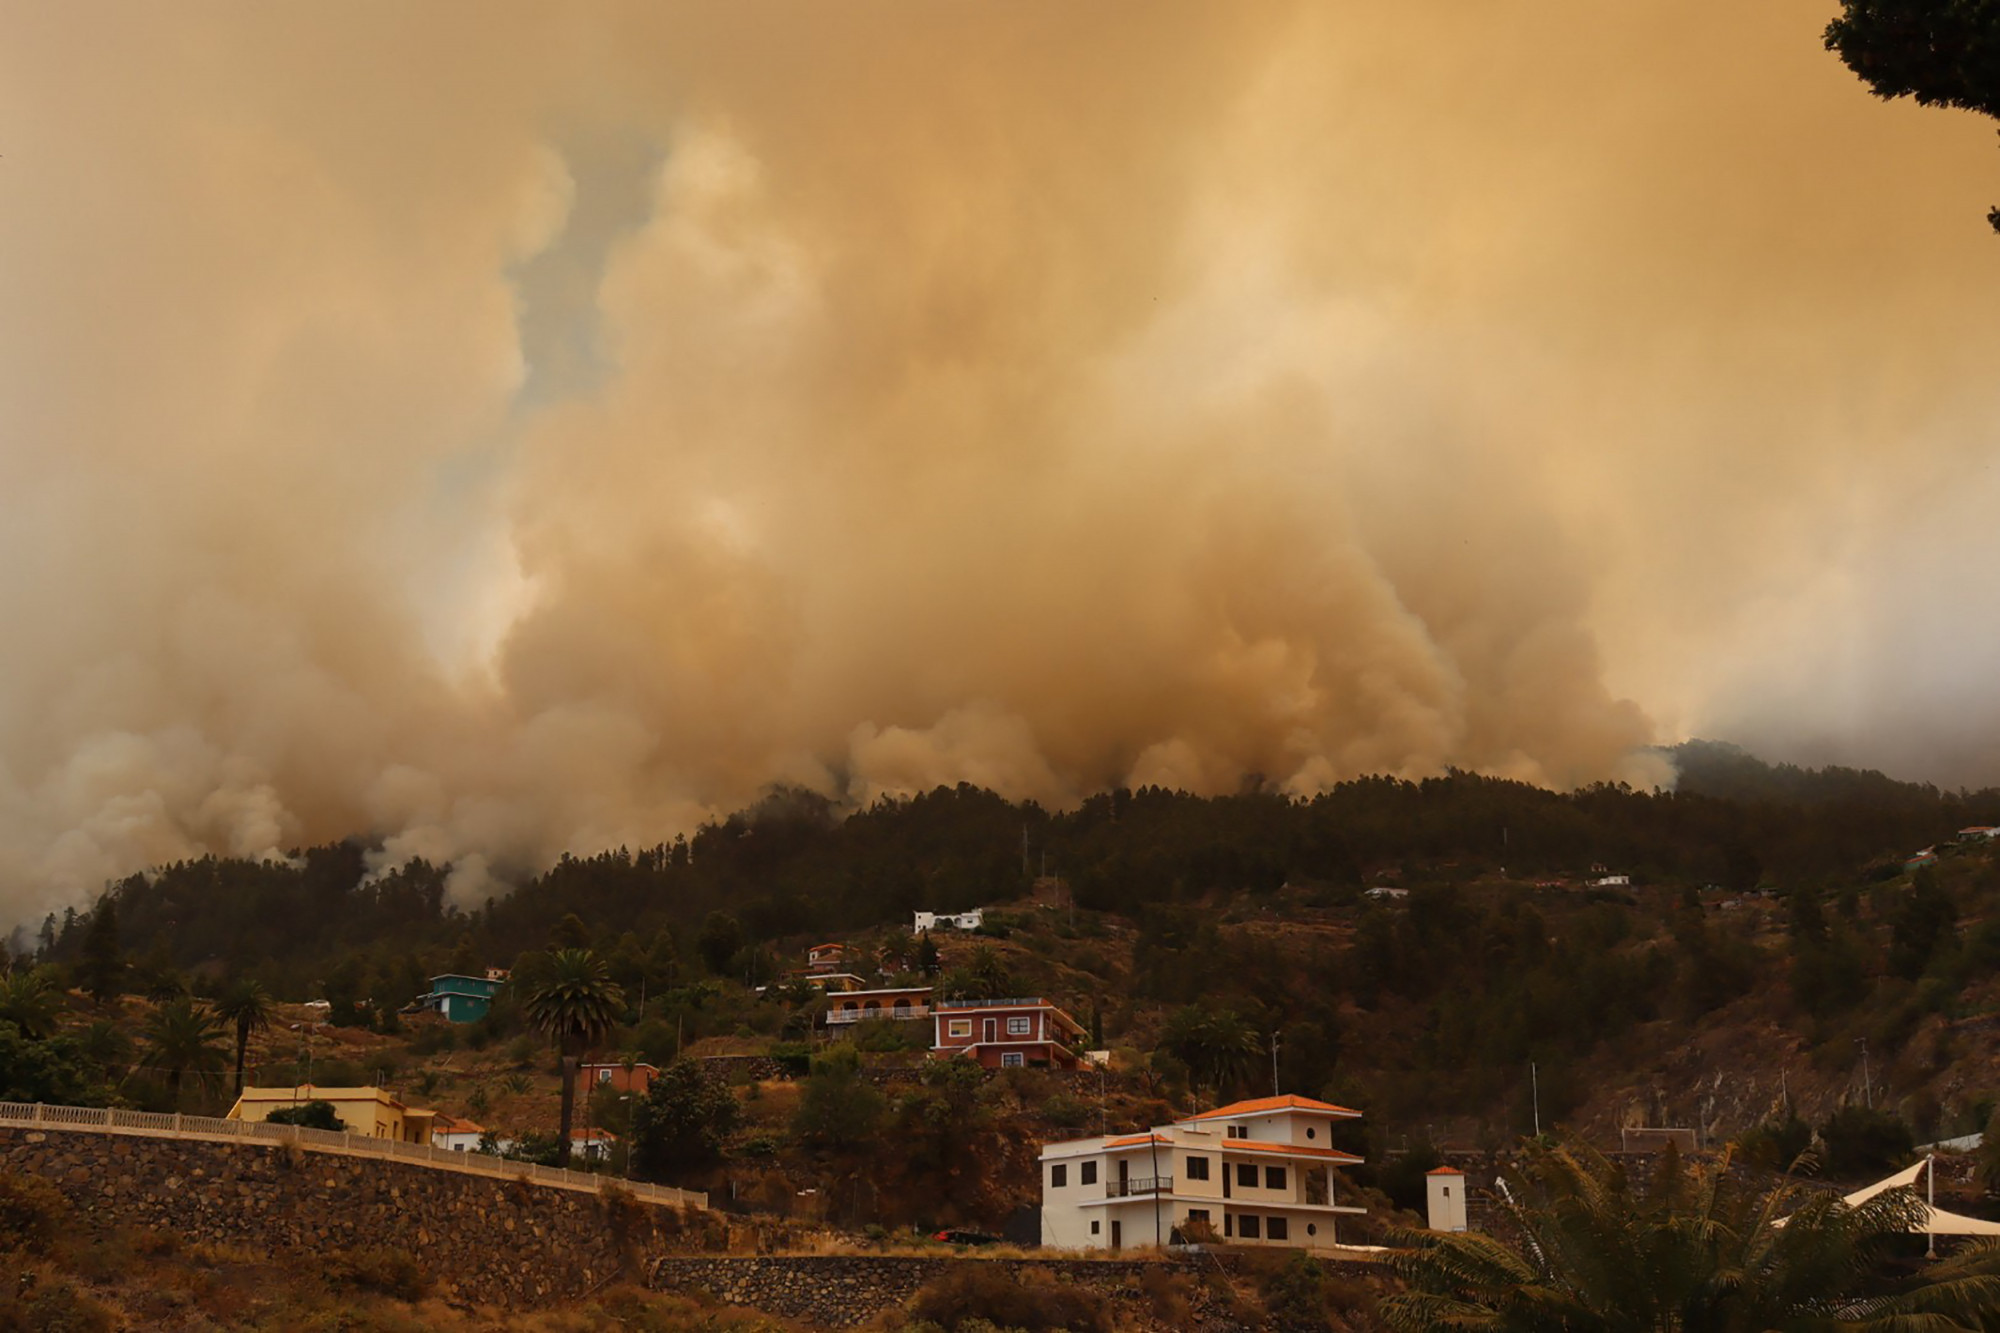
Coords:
pixel 1444 1198
pixel 1252 1173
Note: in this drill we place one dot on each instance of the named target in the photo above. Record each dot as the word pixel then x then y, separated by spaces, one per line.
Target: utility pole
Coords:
pixel 1535 1092
pixel 1274 1063
pixel 1867 1083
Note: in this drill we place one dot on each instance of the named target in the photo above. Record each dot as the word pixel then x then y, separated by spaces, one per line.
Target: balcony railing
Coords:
pixel 1012 1001
pixel 1124 1189
pixel 837 1016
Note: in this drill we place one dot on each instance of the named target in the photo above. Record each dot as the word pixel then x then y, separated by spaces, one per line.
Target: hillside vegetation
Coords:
pixel 1435 953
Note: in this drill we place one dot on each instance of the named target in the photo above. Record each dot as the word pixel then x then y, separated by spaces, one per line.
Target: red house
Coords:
pixel 618 1078
pixel 1007 1034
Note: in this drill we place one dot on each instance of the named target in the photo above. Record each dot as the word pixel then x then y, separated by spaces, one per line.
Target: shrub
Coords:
pixel 32 1214
pixel 377 1268
pixel 1067 1111
pixel 1776 1144
pixel 1860 1141
pixel 1030 1302
pixel 309 1115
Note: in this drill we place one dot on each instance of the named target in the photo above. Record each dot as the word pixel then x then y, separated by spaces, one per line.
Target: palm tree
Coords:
pixel 575 1002
pixel 181 1039
pixel 248 1005
pixel 1693 1249
pixel 30 1003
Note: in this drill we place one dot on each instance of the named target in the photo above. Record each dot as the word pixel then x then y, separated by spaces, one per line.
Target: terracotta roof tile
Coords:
pixel 1288 1102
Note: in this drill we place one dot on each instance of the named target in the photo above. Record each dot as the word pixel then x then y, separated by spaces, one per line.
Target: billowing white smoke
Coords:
pixel 1034 395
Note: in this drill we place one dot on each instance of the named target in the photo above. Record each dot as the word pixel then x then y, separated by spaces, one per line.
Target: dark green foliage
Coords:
pixel 1298 1296
pixel 1402 1176
pixel 182 1038
pixel 56 1070
pixel 30 1001
pixel 1776 1144
pixel 246 1007
pixel 1861 1141
pixel 721 939
pixel 1217 1047
pixel 33 1215
pixel 314 1114
pixel 1923 925
pixel 101 968
pixel 1591 1248
pixel 837 1107
pixel 1941 52
pixel 574 1002
pixel 681 1123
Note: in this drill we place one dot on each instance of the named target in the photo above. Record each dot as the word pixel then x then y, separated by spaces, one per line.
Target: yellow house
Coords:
pixel 369 1111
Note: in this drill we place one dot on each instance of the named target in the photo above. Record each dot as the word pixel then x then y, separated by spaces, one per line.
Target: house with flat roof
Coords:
pixel 905 1003
pixel 1026 1032
pixel 372 1112
pixel 459 1135
pixel 971 920
pixel 620 1079
pixel 1259 1172
pixel 463 999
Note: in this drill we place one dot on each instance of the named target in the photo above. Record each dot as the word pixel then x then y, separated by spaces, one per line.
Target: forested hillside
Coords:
pixel 1411 947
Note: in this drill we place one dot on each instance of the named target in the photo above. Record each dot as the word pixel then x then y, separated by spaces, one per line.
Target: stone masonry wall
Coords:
pixel 845 1290
pixel 479 1238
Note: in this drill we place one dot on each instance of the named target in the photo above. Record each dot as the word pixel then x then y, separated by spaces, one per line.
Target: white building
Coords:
pixel 1255 1173
pixel 957 921
pixel 449 1131
pixel 1444 1197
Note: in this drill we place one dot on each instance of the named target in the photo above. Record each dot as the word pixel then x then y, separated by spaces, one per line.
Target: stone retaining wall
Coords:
pixel 496 1241
pixel 847 1290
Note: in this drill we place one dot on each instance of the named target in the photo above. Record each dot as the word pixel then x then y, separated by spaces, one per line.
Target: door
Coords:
pixel 992 1030
pixel 1124 1175
pixel 1117 1235
pixel 1227 1172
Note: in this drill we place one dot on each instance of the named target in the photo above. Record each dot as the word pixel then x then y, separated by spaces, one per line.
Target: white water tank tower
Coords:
pixel 1445 1192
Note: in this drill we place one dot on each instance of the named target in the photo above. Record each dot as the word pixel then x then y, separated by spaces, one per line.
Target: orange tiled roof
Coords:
pixel 1131 1139
pixel 1288 1102
pixel 1289 1149
pixel 1444 1171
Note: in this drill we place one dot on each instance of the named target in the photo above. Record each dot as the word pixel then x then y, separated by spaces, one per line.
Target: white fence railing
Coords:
pixel 836 1017
pixel 163 1124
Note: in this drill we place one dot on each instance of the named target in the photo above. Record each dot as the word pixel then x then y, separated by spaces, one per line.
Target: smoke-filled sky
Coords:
pixel 508 428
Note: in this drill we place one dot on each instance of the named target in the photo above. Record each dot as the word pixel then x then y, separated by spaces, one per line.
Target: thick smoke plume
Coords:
pixel 515 428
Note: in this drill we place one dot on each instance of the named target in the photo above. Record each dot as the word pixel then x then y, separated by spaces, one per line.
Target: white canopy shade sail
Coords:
pixel 1936 1221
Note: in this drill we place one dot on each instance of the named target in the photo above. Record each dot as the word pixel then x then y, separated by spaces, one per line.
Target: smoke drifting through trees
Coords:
pixel 1037 398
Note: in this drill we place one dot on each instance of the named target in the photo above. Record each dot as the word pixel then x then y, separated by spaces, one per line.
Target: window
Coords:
pixel 1020 1027
pixel 958 1027
pixel 1087 1174
pixel 1311 1133
pixel 1197 1214
pixel 1274 1177
pixel 1312 1228
pixel 603 1076
pixel 1246 1226
pixel 1058 1176
pixel 1012 1060
pixel 1447 1191
pixel 1228 1225
pixel 1093 1226
pixel 1280 1229
pixel 1239 1131
pixel 1197 1168
pixel 1246 1175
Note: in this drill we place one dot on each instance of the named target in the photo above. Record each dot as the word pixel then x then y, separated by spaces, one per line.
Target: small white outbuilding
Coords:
pixel 1444 1189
